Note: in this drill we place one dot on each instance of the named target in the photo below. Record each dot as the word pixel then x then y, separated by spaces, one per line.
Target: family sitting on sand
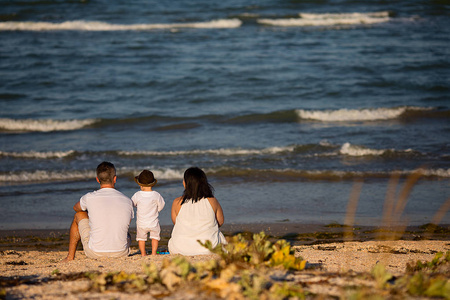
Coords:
pixel 102 218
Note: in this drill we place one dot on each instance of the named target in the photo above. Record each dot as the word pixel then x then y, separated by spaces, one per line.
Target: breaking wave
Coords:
pixel 102 26
pixel 329 19
pixel 26 177
pixel 409 113
pixel 354 150
pixel 36 154
pixel 292 174
pixel 222 151
pixel 43 125
pixel 369 114
pixel 304 19
pixel 266 175
pixel 306 150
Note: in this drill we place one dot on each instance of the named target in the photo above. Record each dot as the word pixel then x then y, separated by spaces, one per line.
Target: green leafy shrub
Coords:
pixel 240 273
pixel 117 281
pixel 424 279
pixel 438 260
pixel 257 252
pixel 381 275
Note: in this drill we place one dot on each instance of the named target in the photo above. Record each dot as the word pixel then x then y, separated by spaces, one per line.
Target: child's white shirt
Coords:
pixel 148 204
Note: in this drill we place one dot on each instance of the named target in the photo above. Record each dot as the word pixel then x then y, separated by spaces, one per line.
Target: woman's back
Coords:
pixel 195 221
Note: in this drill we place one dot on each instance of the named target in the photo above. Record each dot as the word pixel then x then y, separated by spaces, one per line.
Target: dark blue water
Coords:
pixel 284 105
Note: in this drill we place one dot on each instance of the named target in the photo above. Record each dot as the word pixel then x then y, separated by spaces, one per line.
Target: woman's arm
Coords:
pixel 176 206
pixel 217 210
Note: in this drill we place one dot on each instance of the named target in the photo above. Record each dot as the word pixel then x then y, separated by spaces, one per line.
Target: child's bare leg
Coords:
pixel 154 246
pixel 74 235
pixel 142 248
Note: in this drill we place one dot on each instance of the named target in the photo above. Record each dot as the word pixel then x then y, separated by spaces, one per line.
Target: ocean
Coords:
pixel 288 106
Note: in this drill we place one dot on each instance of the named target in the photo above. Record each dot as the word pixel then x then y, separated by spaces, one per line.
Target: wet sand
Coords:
pixel 296 233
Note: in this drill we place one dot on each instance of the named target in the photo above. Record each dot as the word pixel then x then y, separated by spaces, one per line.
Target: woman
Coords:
pixel 196 215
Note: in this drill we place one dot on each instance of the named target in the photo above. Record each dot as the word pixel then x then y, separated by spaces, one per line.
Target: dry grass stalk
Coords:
pixel 351 209
pixel 406 191
pixel 394 206
pixel 393 209
pixel 389 201
pixel 350 215
pixel 440 214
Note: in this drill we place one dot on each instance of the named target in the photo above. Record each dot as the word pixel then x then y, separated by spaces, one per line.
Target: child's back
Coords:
pixel 149 203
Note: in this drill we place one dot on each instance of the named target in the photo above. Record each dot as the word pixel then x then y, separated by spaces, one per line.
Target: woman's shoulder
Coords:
pixel 213 201
pixel 178 200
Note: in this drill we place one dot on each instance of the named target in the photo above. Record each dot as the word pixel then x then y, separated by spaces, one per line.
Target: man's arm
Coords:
pixel 77 207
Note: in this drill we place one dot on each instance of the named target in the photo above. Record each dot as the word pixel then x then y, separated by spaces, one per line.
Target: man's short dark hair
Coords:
pixel 106 172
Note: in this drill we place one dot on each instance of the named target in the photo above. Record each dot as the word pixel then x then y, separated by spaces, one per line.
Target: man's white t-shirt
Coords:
pixel 148 204
pixel 110 213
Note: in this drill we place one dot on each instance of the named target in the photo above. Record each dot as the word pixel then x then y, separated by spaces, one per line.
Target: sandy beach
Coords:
pixel 31 269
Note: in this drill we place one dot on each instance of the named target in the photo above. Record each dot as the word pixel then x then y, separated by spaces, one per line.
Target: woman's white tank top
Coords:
pixel 195 221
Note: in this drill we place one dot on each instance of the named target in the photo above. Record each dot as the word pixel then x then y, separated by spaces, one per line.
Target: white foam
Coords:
pixel 343 115
pixel 329 19
pixel 444 173
pixel 46 176
pixel 248 15
pixel 35 154
pixel 43 125
pixel 221 151
pixel 167 174
pixel 353 150
pixel 176 174
pixel 25 177
pixel 102 26
pixel 435 172
pixel 354 15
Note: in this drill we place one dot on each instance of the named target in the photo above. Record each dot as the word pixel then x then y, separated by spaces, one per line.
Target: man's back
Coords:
pixel 110 213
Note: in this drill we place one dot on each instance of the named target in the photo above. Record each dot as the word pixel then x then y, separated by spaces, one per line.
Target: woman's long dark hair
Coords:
pixel 197 186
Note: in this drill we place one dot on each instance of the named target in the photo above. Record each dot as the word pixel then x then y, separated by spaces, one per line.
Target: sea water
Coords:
pixel 287 106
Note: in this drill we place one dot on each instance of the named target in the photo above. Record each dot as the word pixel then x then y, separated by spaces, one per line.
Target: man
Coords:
pixel 102 219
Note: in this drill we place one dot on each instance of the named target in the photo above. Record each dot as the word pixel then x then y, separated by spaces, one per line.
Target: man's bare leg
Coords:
pixel 74 235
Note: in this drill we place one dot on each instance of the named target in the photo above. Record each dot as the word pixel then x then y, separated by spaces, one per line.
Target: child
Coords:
pixel 149 203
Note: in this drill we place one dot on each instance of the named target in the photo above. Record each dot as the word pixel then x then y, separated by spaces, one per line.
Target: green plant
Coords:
pixel 2 293
pixel 286 291
pixel 258 252
pixel 421 284
pixel 427 278
pixel 56 272
pixel 116 281
pixel 240 273
pixel 284 256
pixel 381 275
pixel 252 284
pixel 438 260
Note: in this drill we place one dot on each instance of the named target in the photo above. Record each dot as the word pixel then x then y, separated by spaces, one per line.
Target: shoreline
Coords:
pixel 297 234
